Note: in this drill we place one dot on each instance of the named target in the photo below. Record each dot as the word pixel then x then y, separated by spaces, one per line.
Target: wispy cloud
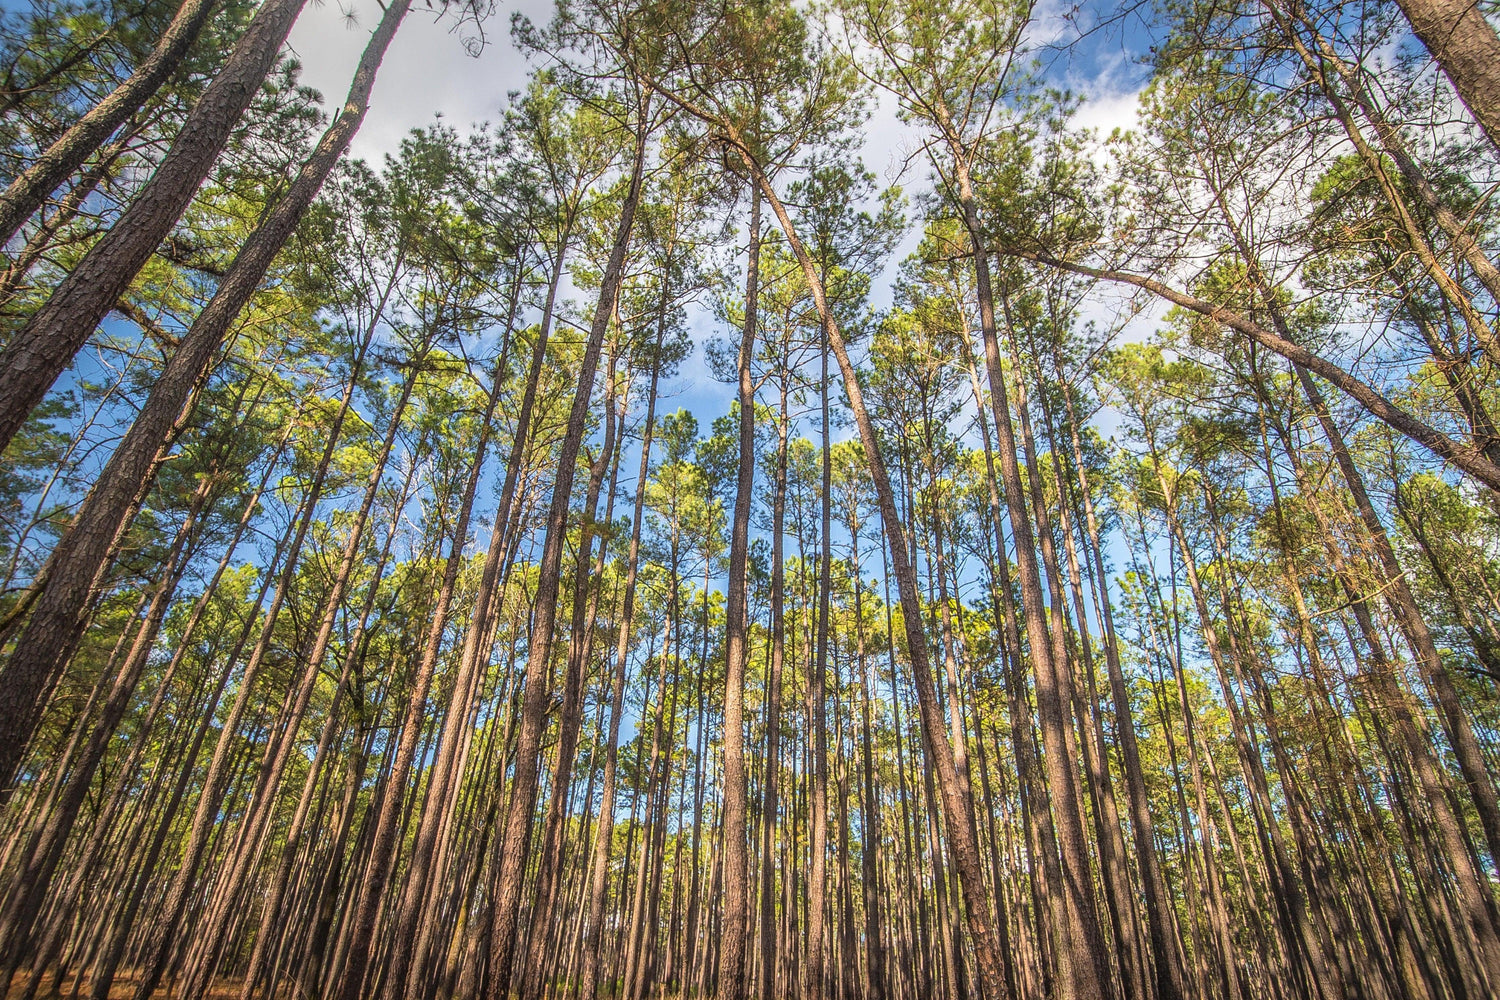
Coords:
pixel 427 71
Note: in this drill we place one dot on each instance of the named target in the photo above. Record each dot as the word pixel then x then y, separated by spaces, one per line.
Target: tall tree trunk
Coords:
pixel 570 718
pixel 818 695
pixel 221 766
pixel 604 831
pixel 41 350
pixel 1036 815
pixel 224 902
pixel 215 783
pixel 272 917
pixel 41 859
pixel 533 708
pixel 875 986
pixel 381 850
pixel 1413 625
pixel 410 927
pixel 80 558
pixel 103 823
pixel 963 838
pixel 770 803
pixel 735 938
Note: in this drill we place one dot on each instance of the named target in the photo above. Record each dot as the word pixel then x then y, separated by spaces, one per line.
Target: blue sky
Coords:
pixel 429 72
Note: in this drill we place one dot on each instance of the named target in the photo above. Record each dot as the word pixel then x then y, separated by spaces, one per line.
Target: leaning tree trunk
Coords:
pixel 1413 625
pixel 42 349
pixel 39 864
pixel 1465 45
pixel 964 840
pixel 30 189
pixel 1398 593
pixel 1465 457
pixel 62 610
pixel 218 776
pixel 39 884
pixel 216 781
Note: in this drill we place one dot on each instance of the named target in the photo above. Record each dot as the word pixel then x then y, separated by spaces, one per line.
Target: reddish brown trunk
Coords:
pixel 30 189
pixel 40 351
pixel 61 613
pixel 736 925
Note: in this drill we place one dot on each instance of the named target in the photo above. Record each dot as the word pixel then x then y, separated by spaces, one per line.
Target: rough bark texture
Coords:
pixel 62 610
pixel 30 189
pixel 736 937
pixel 1465 45
pixel 42 349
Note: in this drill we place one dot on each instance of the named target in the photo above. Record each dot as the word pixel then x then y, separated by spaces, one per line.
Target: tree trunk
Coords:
pixel 770 804
pixel 410 929
pixel 963 839
pixel 1465 45
pixel 30 189
pixel 570 712
pixel 533 708
pixel 205 815
pixel 42 349
pixel 1464 457
pixel 735 937
pixel 875 987
pixel 604 831
pixel 224 901
pixel 62 610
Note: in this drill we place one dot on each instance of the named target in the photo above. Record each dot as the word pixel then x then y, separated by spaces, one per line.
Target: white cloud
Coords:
pixel 426 72
pixel 1106 111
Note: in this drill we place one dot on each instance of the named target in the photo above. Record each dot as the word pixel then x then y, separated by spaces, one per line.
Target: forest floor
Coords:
pixel 122 989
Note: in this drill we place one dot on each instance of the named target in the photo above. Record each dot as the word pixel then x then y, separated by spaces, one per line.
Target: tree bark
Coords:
pixel 734 944
pixel 570 712
pixel 604 830
pixel 62 610
pixel 1466 47
pixel 1168 973
pixel 29 189
pixel 41 350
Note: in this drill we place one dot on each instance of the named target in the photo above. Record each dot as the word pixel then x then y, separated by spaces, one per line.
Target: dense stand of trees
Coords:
pixel 1077 575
